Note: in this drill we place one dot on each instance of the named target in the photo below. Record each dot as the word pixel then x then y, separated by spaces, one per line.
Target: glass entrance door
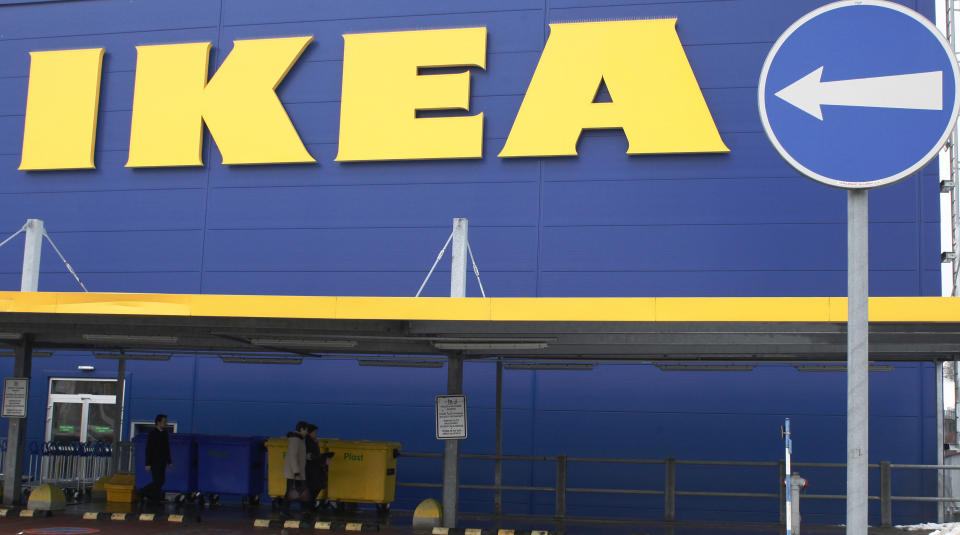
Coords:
pixel 67 420
pixel 101 419
pixel 82 410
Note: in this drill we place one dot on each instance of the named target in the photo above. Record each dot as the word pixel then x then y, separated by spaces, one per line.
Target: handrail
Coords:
pixel 670 490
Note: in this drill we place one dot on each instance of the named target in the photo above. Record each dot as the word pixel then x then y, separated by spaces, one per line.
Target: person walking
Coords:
pixel 295 467
pixel 157 458
pixel 316 468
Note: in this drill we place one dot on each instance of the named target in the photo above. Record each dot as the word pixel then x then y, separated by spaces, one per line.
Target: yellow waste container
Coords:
pixel 276 455
pixel 121 489
pixel 363 472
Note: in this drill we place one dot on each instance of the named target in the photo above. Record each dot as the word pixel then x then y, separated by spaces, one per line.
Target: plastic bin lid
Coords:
pixel 223 439
pixel 121 480
pixel 362 445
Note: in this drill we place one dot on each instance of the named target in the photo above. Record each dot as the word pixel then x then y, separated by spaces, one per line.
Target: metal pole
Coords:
pixel 451 453
pixel 30 278
pixel 118 418
pixel 939 412
pixel 458 266
pixel 857 360
pixel 561 486
pixel 886 501
pixel 788 450
pixel 17 428
pixel 670 490
pixel 498 464
pixel 782 467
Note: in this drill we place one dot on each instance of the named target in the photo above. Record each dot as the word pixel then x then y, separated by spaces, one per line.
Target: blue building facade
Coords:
pixel 599 224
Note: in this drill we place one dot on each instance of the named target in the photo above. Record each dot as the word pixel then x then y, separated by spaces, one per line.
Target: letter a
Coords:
pixel 655 97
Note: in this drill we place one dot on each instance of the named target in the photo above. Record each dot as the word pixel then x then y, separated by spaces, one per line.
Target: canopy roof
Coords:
pixel 536 329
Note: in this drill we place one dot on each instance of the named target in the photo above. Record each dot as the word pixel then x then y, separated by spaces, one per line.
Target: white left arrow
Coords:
pixel 919 91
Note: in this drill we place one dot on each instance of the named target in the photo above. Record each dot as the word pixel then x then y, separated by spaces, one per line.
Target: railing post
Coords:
pixel 886 503
pixel 670 490
pixel 498 464
pixel 561 486
pixel 783 488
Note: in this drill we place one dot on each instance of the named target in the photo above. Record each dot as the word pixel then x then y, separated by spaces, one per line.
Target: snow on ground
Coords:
pixel 938 529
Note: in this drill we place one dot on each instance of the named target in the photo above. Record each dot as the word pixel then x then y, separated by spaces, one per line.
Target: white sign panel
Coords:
pixel 15 397
pixel 451 417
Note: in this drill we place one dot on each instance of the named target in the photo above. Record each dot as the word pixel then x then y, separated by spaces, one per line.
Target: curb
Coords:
pixel 140 517
pixel 333 526
pixel 469 531
pixel 24 513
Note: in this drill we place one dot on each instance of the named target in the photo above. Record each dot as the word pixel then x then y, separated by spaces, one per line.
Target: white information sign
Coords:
pixel 15 397
pixel 451 417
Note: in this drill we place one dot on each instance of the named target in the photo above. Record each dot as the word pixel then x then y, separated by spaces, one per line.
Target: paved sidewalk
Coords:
pixel 235 520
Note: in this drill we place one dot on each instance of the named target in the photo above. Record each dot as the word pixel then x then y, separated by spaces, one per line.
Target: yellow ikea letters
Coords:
pixel 382 92
pixel 172 100
pixel 385 103
pixel 60 127
pixel 655 96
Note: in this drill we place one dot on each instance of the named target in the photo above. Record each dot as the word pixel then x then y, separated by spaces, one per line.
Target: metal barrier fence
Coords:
pixel 670 489
pixel 72 466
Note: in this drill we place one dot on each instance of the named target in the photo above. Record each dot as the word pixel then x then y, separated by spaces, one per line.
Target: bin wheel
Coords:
pixel 275 504
pixel 383 508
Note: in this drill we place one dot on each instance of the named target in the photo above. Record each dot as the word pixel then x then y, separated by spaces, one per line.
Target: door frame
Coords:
pixel 84 399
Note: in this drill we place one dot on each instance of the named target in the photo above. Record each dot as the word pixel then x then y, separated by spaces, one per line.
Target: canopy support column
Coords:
pixel 451 453
pixel 23 353
pixel 17 428
pixel 118 418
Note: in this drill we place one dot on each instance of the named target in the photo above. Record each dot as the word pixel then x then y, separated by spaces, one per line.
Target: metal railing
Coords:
pixel 72 466
pixel 670 490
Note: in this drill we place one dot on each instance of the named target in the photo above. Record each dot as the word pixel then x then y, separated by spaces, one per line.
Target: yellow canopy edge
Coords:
pixel 640 309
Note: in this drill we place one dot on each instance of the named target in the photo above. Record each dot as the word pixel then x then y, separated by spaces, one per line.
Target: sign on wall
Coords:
pixel 451 417
pixel 655 99
pixel 15 397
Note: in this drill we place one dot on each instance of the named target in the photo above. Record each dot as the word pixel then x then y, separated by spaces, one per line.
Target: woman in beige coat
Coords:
pixel 295 465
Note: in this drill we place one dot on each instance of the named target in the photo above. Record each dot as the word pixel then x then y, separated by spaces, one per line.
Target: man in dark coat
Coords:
pixel 317 463
pixel 158 458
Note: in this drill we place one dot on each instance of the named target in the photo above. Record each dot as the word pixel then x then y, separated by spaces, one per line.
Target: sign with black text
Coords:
pixel 451 417
pixel 15 397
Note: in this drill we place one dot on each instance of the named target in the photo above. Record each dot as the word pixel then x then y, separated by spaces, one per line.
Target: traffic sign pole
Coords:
pixel 858 273
pixel 849 107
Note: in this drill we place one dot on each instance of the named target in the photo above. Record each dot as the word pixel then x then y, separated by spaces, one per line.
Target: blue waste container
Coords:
pixel 182 478
pixel 231 465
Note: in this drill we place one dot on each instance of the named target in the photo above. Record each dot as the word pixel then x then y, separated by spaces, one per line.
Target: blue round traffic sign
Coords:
pixel 859 93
